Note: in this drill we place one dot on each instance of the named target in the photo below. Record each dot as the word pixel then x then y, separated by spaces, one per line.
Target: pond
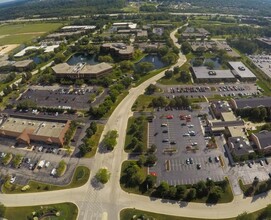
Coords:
pixel 155 60
pixel 214 61
pixel 82 58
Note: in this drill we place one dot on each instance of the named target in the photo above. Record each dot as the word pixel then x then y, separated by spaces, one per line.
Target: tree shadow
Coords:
pixel 96 184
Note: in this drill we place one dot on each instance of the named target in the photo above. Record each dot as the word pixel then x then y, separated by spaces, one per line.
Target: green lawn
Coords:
pixel 149 75
pixel 23 32
pixel 175 80
pixel 95 138
pixel 129 214
pixel 68 211
pixel 142 103
pixel 80 177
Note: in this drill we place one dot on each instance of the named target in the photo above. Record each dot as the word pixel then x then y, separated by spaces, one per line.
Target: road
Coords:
pixel 95 200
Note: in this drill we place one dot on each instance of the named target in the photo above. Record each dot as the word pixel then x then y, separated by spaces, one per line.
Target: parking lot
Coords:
pixel 63 97
pixel 29 168
pixel 233 90
pixel 247 174
pixel 181 149
pixel 263 62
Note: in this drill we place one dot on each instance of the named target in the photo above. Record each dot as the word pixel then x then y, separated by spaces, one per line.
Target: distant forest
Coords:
pixel 59 8
pixel 244 7
pixel 62 8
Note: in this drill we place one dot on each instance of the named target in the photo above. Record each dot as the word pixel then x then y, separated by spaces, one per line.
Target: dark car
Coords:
pixel 172 142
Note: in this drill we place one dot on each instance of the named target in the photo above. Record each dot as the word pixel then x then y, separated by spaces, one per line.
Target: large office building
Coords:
pixel 82 70
pixel 262 141
pixel 121 50
pixel 203 75
pixel 250 103
pixel 26 130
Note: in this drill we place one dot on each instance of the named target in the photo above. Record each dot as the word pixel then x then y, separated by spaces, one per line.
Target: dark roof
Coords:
pixel 264 138
pixel 254 102
pixel 239 146
pixel 216 124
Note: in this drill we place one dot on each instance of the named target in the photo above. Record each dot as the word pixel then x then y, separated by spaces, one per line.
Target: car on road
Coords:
pixel 12 179
pixel 155 133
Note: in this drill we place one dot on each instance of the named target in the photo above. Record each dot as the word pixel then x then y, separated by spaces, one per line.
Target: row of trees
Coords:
pixel 88 144
pixel 184 76
pixel 257 114
pixel 176 102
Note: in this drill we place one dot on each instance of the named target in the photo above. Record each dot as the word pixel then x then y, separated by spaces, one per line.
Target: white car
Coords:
pixel 53 172
pixel 190 126
pixel 40 148
pixel 47 164
pixel 12 179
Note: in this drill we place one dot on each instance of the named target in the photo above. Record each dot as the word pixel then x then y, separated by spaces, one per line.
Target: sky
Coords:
pixel 4 1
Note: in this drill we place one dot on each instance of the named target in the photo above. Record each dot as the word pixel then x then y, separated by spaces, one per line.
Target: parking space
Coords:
pixel 234 90
pixel 181 149
pixel 37 164
pixel 248 173
pixel 263 62
pixel 64 97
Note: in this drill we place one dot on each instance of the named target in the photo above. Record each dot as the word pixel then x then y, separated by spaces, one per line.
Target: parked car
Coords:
pixel 217 159
pixel 165 140
pixel 172 142
pixel 12 179
pixel 47 164
pixel 198 166
pixel 210 159
pixel 261 162
pixel 53 172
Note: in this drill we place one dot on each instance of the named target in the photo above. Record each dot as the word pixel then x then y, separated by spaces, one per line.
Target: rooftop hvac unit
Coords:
pixel 238 140
pixel 241 145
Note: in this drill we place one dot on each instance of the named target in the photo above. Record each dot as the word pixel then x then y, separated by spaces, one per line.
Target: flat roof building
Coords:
pixel 78 28
pixel 218 107
pixel 82 70
pixel 242 72
pixel 239 146
pixel 26 130
pixel 263 141
pixel 202 74
pixel 123 51
pixel 251 103
pixel 23 65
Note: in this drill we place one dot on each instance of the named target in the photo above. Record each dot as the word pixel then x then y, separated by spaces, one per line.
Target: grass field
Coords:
pixel 143 103
pixel 21 33
pixel 68 211
pixel 79 178
pixel 129 214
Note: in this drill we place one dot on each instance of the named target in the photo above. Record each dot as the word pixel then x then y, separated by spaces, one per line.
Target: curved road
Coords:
pixel 95 201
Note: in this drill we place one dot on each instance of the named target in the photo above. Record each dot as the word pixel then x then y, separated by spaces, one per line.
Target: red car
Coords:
pixel 153 173
pixel 170 117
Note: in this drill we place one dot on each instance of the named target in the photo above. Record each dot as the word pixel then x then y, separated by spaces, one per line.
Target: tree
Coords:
pixel 152 148
pixel 133 175
pixel 202 189
pixel 172 192
pixel 110 139
pixel 2 210
pixel 103 175
pixel 150 181
pixel 181 190
pixel 59 58
pixel 215 194
pixel 191 194
pixel 163 189
pixel 144 67
pixel 244 216
pixel 266 213
pixel 168 74
pixel 151 160
pixel 186 48
pixel 151 89
pixel 184 76
pixel 176 70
